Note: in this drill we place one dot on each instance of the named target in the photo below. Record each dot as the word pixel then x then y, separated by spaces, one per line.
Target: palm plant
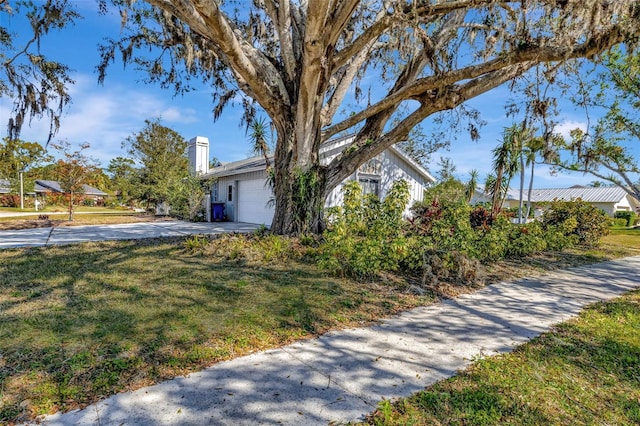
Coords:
pixel 533 147
pixel 472 185
pixel 258 135
pixel 506 165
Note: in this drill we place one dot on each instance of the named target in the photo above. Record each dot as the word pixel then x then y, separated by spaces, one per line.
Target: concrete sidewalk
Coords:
pixel 341 376
pixel 37 237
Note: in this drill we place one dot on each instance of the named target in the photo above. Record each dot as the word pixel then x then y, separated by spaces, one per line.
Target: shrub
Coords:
pixel 364 236
pixel 629 216
pixel 577 218
pixel 491 243
pixel 526 239
pixel 620 222
pixel 453 266
pixel 9 200
pixel 441 221
pixel 480 217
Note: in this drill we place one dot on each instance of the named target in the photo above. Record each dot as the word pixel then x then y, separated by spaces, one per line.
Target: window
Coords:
pixel 370 186
pixel 230 193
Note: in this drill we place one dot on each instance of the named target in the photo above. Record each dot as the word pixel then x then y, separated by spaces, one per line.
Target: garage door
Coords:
pixel 253 202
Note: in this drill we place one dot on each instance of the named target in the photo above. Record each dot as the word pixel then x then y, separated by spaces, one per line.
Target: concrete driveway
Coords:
pixel 38 237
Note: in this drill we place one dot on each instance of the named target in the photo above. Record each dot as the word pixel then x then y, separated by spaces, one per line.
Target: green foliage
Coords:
pixel 73 171
pixel 196 244
pixel 441 221
pixel 445 238
pixel 160 152
pixel 628 215
pixel 123 175
pixel 619 222
pixel 186 197
pixel 37 85
pixel 305 187
pixel 579 219
pixel 365 235
pixel 17 155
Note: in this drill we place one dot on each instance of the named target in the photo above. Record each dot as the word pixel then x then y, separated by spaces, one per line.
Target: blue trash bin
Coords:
pixel 218 211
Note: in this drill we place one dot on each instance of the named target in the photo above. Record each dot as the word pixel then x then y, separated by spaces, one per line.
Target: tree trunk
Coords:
pixel 533 163
pixel 496 203
pixel 521 200
pixel 299 193
pixel 71 207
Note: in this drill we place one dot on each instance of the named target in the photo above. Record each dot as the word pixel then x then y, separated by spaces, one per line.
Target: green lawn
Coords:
pixel 79 218
pixel 585 372
pixel 79 323
pixel 61 209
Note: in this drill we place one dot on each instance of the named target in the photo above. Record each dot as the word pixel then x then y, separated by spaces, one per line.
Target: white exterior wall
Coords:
pixel 624 204
pixel 609 208
pixel 396 168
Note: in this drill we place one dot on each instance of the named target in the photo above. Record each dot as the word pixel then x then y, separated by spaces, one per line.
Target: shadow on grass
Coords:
pixel 82 322
pixel 586 371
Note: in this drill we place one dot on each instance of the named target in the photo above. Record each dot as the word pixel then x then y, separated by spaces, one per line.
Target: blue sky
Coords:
pixel 104 115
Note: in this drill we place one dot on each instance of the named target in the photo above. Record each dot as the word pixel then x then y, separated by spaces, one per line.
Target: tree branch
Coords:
pixel 250 66
pixel 505 59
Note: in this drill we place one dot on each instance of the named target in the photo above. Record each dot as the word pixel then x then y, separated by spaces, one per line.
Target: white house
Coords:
pixel 610 199
pixel 241 186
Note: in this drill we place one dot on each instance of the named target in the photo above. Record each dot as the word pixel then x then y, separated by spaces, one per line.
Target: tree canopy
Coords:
pixel 599 149
pixel 373 68
pixel 37 85
pixel 160 153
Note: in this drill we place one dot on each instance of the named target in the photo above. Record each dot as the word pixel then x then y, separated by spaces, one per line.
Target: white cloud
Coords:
pixel 105 115
pixel 175 115
pixel 567 126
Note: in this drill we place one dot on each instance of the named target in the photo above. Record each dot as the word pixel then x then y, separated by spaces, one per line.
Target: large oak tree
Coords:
pixel 303 62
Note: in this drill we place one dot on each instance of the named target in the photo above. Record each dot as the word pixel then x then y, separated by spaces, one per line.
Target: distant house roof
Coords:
pixel 254 164
pixel 5 186
pixel 52 185
pixel 587 194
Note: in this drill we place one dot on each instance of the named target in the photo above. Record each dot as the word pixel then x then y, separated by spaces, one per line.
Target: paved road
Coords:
pixel 37 237
pixel 341 376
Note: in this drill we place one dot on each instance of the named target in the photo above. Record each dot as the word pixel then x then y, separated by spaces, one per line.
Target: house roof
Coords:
pixel 52 185
pixel 41 186
pixel 588 194
pixel 5 188
pixel 258 163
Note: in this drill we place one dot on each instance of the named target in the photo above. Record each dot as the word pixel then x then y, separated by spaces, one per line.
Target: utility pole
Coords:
pixel 21 191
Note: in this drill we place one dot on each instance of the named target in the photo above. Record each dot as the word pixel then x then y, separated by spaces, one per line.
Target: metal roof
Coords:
pixel 588 194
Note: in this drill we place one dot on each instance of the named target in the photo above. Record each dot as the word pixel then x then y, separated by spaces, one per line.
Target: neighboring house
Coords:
pixel 5 186
pixel 51 186
pixel 242 185
pixel 609 199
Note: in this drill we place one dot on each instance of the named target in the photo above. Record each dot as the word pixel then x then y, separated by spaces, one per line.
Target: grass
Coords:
pixel 60 209
pixel 78 325
pixel 585 371
pixel 83 322
pixel 115 216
